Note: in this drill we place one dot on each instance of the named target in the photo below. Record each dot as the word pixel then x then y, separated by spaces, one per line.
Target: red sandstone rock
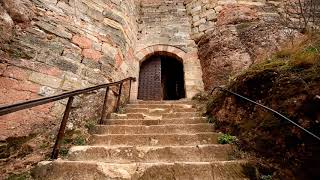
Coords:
pixel 91 54
pixel 82 42
pixel 235 14
pixel 19 10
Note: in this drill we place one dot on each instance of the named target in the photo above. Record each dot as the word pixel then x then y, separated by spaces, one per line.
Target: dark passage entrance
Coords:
pixel 161 78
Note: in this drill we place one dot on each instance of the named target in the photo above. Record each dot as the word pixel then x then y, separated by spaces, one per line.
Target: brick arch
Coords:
pixel 172 51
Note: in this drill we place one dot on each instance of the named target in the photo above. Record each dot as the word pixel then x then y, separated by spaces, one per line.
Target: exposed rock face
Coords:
pixel 6 25
pixel 243 33
pixel 19 10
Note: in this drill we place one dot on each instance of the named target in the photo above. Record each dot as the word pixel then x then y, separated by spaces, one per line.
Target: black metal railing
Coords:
pixel 267 108
pixel 7 109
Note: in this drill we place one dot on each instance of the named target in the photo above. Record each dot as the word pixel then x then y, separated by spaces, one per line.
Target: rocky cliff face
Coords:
pixel 232 35
pixel 287 82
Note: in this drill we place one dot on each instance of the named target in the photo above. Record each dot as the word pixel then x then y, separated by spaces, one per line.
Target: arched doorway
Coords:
pixel 161 77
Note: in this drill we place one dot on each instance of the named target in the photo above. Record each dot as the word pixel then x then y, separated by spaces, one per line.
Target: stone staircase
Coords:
pixel 151 140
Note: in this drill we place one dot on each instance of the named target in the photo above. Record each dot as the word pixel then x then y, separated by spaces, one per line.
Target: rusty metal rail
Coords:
pixel 7 109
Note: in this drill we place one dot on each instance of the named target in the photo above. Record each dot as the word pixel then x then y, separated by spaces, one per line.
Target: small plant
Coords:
pixel 79 141
pixel 121 110
pixel 226 139
pixel 63 151
pixel 266 177
pixel 90 126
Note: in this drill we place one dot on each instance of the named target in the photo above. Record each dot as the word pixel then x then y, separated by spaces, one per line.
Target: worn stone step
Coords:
pixel 150 154
pixel 159 106
pixel 154 129
pixel 157 111
pixel 183 101
pixel 221 170
pixel 155 139
pixel 155 122
pixel 164 115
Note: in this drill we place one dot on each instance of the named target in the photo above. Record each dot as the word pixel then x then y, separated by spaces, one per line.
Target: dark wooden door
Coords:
pixel 150 80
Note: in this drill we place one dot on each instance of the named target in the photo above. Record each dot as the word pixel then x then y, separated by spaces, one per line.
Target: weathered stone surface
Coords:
pixel 179 153
pixel 45 80
pixel 233 14
pixel 59 31
pixel 82 42
pixel 6 25
pixel 91 54
pixel 19 10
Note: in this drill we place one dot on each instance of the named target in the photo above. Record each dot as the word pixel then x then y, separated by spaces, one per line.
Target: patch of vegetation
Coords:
pixel 63 151
pixel 121 110
pixel 266 177
pixel 90 126
pixel 226 139
pixel 74 137
pixel 22 176
pixel 79 141
pixel 44 145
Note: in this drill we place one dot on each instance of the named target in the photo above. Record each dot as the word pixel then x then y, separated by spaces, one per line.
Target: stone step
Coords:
pixel 155 122
pixel 158 111
pixel 149 154
pixel 159 106
pixel 154 139
pixel 163 102
pixel 154 129
pixel 164 115
pixel 221 170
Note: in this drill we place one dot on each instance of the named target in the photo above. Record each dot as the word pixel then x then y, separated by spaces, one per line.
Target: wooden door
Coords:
pixel 150 80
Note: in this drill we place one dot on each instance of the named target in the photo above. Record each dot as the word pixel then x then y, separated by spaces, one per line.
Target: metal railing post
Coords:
pixel 61 132
pixel 104 107
pixel 129 96
pixel 119 96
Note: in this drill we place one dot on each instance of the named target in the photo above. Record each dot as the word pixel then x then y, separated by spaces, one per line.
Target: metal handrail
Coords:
pixel 7 109
pixel 265 107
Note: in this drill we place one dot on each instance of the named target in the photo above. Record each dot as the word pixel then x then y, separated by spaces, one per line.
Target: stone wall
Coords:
pixel 53 46
pixel 164 26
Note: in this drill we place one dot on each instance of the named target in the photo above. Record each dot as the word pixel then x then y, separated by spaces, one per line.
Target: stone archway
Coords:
pixel 191 67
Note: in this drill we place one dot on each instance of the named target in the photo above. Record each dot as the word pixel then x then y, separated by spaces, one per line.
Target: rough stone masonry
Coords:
pixel 52 46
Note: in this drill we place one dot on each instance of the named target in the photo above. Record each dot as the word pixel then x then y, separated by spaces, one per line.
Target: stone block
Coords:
pixel 196 9
pixel 45 80
pixel 201 21
pixel 57 30
pixel 73 82
pixel 82 41
pixel 195 18
pixel 109 50
pixel 206 26
pixel 91 54
pixel 207 13
pixel 66 64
